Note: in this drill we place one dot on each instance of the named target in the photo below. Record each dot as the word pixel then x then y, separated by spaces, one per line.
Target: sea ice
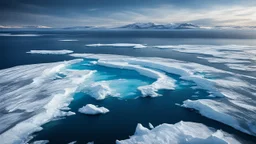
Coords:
pixel 98 90
pixel 179 133
pixel 34 96
pixel 235 94
pixel 54 52
pixel 91 109
pixel 118 45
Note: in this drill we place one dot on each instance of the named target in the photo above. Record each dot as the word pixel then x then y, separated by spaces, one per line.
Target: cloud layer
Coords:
pixel 118 12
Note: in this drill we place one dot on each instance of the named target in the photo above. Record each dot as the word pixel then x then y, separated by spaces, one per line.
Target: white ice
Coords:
pixel 224 113
pixel 179 133
pixel 118 45
pixel 162 81
pixel 235 92
pixel 54 52
pixel 98 90
pixel 32 95
pixel 40 142
pixel 91 109
pixel 239 57
pixel 19 35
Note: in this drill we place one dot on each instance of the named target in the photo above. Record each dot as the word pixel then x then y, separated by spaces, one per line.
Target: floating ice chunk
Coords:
pixel 68 40
pixel 91 109
pixel 54 52
pixel 221 112
pixel 40 142
pixel 179 133
pixel 98 90
pixel 19 35
pixel 118 45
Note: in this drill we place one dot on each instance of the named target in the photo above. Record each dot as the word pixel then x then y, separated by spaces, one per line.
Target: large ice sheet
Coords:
pixel 32 95
pixel 179 133
pixel 227 114
pixel 239 57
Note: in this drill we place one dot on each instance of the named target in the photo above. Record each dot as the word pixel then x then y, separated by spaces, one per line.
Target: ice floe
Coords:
pixel 224 113
pixel 239 57
pixel 98 90
pixel 54 52
pixel 91 109
pixel 118 45
pixel 32 95
pixel 179 133
pixel 19 35
pixel 40 142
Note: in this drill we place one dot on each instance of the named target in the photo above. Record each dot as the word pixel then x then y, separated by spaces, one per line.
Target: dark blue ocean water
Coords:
pixel 124 114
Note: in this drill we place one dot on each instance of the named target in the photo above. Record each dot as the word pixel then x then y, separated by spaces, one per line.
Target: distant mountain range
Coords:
pixel 159 26
pixel 138 26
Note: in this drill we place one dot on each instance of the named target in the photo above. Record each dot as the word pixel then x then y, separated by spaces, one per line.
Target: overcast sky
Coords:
pixel 63 13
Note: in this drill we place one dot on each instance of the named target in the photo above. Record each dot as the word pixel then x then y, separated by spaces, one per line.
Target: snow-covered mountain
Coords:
pixel 138 26
pixel 187 26
pixel 159 26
